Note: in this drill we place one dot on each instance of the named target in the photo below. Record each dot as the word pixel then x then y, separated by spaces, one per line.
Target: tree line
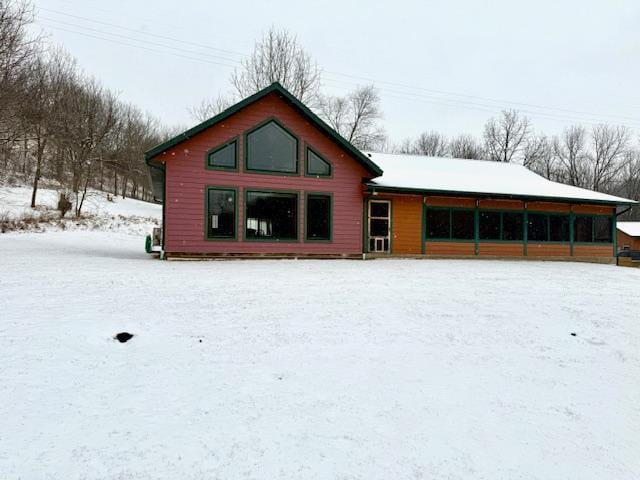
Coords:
pixel 59 124
pixel 602 157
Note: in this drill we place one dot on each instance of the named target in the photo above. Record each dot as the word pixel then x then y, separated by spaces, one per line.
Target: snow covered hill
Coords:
pixel 385 369
pixel 99 212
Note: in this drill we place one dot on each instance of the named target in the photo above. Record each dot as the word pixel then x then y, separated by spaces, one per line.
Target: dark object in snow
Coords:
pixel 200 340
pixel 573 334
pixel 124 337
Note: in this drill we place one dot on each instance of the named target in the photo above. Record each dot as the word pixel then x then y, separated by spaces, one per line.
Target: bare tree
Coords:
pixel 17 51
pixel 278 57
pixel 535 147
pixel 87 116
pixel 506 136
pixel 432 144
pixel 210 107
pixel 356 116
pixel 466 146
pixel 610 146
pixel 570 150
pixel 629 182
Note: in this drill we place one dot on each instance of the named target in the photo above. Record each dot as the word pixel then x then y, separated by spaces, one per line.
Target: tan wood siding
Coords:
pixel 501 249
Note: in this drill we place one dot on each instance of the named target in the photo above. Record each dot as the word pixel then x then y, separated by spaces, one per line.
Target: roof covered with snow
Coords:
pixel 454 175
pixel 630 228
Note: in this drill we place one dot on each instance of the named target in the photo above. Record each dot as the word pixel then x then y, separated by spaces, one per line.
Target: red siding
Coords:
pixel 187 177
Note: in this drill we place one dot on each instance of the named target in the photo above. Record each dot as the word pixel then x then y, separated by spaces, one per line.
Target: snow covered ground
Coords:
pixel 99 213
pixel 384 369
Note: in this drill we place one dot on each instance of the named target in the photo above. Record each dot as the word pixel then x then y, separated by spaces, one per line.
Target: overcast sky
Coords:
pixel 441 65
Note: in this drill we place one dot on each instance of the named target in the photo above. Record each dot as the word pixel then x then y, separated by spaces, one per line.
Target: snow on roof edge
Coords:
pixel 630 228
pixel 476 177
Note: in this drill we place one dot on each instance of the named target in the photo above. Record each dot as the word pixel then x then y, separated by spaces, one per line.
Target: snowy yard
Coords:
pixel 385 369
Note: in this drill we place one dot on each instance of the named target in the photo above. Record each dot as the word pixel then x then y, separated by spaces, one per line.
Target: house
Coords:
pixel 628 236
pixel 268 177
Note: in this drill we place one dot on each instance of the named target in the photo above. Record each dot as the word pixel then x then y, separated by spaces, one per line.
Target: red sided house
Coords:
pixel 267 177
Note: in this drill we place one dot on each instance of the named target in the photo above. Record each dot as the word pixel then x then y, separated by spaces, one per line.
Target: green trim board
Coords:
pixel 214 150
pixel 221 188
pixel 249 190
pixel 255 128
pixel 311 194
pixel 275 87
pixel 372 187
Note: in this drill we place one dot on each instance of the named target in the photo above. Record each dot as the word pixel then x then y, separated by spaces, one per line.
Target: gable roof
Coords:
pixel 630 228
pixel 447 176
pixel 364 160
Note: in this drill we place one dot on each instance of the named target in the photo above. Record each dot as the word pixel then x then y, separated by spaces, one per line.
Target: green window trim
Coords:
pixel 307 172
pixel 612 219
pixel 450 237
pixel 207 234
pixel 307 196
pixel 216 149
pixel 257 127
pixel 296 193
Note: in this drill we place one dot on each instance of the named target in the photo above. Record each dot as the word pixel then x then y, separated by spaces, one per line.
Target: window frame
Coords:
pixel 593 216
pixel 307 195
pixel 249 190
pixel 219 147
pixel 308 149
pixel 218 238
pixel 548 216
pixel 257 127
pixel 450 238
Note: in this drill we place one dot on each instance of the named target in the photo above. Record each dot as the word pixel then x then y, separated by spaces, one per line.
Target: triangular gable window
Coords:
pixel 316 165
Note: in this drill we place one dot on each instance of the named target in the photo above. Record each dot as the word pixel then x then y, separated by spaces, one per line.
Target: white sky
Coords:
pixel 448 65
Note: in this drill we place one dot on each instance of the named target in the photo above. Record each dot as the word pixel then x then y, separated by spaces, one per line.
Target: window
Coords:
pixel 271 216
pixel 583 230
pixel 593 229
pixel 316 165
pixel 438 224
pixel 223 157
pixel 450 224
pixel 538 227
pixel 318 217
pixel 221 213
pixel 559 228
pixel 489 225
pixel 270 148
pixel 602 230
pixel 462 224
pixel 512 226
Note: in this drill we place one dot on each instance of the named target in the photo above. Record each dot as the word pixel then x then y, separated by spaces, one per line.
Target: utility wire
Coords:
pixel 431 96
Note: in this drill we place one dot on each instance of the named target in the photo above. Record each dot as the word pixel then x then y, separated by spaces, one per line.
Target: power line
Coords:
pixel 142 32
pixel 432 95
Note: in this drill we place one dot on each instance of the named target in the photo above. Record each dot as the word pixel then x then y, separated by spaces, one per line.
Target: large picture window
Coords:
pixel 271 216
pixel 221 213
pixel 270 148
pixel 318 217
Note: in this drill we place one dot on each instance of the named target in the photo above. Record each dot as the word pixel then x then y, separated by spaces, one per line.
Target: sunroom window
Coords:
pixel 270 148
pixel 271 216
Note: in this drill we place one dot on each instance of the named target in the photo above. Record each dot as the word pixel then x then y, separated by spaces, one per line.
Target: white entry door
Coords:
pixel 379 226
